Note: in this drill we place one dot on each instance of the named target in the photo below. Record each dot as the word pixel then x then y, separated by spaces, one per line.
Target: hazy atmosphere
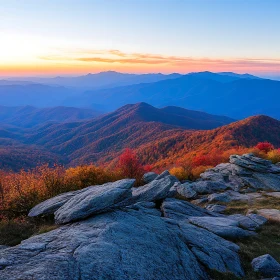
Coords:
pixel 139 140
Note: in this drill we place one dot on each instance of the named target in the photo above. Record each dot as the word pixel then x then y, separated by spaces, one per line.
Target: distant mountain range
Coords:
pixel 214 93
pixel 158 134
pixel 28 116
pixel 107 79
pixel 230 94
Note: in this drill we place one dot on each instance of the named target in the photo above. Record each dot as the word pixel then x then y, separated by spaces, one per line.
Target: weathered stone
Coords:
pixel 211 250
pixel 149 177
pixel 205 187
pixel 162 175
pixel 246 171
pixel 51 205
pixel 268 181
pixel 221 226
pixel 256 164
pixel 94 200
pixel 219 197
pixel 266 265
pixel 182 210
pixel 245 221
pixel 186 191
pixel 156 190
pixel 216 208
pixel 120 245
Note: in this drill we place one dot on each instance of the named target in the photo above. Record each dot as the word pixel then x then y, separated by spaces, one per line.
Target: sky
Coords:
pixel 67 37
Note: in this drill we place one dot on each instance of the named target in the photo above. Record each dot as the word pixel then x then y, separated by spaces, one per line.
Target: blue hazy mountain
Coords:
pixel 107 79
pixel 233 96
pixel 29 116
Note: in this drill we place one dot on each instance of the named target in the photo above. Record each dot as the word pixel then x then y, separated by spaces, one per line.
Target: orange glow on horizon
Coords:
pixel 92 61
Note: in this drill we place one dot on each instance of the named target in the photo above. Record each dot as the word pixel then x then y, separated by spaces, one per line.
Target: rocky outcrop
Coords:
pixel 247 171
pixel 266 265
pixel 118 231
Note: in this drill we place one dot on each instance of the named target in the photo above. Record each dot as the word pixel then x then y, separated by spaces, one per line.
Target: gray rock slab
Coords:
pixel 156 190
pixel 221 226
pixel 186 191
pixel 208 187
pixel 119 245
pixel 94 200
pixel 211 250
pixel 182 210
pixel 49 206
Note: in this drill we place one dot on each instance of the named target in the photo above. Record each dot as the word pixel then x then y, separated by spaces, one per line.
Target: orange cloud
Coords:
pixel 116 56
pixel 81 61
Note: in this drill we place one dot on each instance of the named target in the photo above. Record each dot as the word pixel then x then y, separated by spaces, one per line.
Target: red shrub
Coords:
pixel 265 147
pixel 130 165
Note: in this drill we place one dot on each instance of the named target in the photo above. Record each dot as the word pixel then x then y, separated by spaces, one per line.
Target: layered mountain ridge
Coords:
pixel 159 135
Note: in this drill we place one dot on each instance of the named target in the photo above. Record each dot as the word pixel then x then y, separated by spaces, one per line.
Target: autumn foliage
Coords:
pixel 265 147
pixel 130 166
pixel 20 191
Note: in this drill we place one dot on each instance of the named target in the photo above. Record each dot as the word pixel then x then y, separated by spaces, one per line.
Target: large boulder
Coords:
pixel 132 243
pixel 266 265
pixel 94 200
pixel 117 245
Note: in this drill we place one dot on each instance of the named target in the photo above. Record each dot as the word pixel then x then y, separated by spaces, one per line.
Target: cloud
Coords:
pixel 117 56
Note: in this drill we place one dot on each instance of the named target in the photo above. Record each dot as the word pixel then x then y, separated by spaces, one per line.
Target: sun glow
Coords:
pixel 23 55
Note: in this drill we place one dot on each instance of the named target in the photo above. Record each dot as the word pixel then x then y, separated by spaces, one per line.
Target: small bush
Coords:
pixel 180 172
pixel 265 147
pixel 130 166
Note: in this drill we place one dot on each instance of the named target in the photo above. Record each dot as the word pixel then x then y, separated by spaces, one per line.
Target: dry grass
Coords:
pixel 241 207
pixel 267 240
pixel 12 232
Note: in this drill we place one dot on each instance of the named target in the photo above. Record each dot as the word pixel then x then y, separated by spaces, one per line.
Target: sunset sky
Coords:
pixel 67 37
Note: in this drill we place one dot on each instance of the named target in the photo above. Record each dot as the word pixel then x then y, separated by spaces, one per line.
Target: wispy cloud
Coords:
pixel 123 58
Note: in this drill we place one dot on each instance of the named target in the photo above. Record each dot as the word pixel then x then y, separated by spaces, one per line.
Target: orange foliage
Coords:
pixel 19 192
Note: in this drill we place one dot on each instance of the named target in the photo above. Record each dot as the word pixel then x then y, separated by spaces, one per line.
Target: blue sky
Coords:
pixel 198 29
